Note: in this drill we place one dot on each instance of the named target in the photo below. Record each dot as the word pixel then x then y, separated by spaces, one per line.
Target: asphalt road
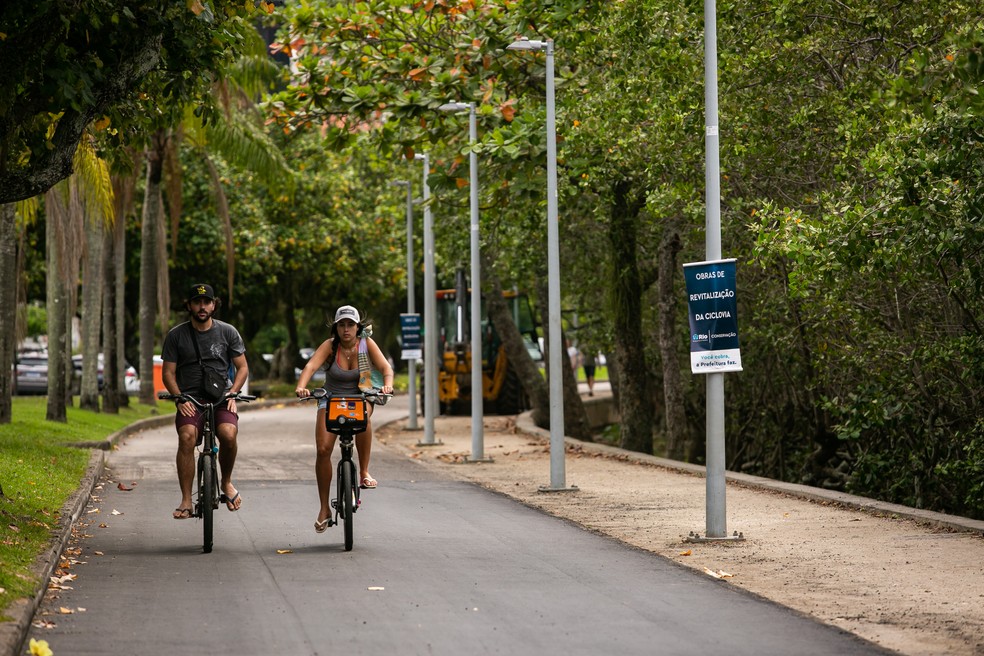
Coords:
pixel 439 567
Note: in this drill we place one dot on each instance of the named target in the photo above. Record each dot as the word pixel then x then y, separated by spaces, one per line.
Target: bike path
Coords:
pixel 439 567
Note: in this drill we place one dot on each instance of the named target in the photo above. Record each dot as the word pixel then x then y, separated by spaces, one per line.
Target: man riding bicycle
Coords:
pixel 219 345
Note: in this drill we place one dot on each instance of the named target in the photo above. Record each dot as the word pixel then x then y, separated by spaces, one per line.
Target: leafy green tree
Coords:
pixel 378 71
pixel 867 244
pixel 58 81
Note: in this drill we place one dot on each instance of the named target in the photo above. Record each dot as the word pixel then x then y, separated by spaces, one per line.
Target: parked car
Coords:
pixel 77 365
pixel 130 379
pixel 31 373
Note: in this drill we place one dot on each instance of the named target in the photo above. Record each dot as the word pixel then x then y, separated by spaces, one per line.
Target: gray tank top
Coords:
pixel 341 381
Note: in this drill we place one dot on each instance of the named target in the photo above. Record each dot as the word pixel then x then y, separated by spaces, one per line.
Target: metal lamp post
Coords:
pixel 557 463
pixel 477 395
pixel 430 316
pixel 412 362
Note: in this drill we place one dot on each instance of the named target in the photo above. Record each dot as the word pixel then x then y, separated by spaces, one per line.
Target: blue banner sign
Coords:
pixel 410 331
pixel 713 310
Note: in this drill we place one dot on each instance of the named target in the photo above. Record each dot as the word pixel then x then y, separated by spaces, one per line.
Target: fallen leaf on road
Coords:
pixel 44 624
pixel 720 574
pixel 125 488
pixel 94 510
pixel 98 553
pixel 686 553
pixel 116 512
pixel 285 551
pixel 103 526
pixel 375 588
pixel 65 611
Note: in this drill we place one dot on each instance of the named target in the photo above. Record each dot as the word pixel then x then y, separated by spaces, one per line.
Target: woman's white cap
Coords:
pixel 347 312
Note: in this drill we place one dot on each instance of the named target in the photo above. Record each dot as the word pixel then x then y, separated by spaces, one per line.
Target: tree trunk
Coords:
pixel 680 441
pixel 636 410
pixel 512 341
pixel 152 212
pixel 287 356
pixel 575 416
pixel 92 293
pixel 8 307
pixel 125 203
pixel 112 378
pixel 56 302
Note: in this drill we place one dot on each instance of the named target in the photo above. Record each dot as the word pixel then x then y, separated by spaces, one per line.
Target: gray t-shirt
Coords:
pixel 218 345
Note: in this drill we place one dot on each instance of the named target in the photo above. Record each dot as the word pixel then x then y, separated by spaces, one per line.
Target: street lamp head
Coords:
pixel 525 44
pixel 399 183
pixel 418 157
pixel 454 107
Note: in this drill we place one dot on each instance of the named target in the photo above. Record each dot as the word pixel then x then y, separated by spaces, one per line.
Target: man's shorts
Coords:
pixel 222 416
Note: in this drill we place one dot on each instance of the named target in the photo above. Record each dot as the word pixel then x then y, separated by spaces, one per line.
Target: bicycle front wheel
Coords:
pixel 207 497
pixel 347 496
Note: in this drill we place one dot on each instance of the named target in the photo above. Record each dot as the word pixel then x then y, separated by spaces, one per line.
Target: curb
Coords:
pixel 525 424
pixel 14 633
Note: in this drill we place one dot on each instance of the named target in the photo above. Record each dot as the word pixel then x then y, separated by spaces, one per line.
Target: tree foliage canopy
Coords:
pixel 85 62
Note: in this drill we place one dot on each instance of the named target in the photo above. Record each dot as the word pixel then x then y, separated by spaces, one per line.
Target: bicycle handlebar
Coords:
pixel 373 395
pixel 186 398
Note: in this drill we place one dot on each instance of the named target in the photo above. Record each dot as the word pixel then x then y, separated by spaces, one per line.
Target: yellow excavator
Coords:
pixel 502 390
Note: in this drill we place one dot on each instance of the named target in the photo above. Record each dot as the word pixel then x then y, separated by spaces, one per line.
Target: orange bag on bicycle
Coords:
pixel 346 413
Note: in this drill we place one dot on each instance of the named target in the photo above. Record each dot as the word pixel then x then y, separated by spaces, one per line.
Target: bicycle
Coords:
pixel 346 416
pixel 208 495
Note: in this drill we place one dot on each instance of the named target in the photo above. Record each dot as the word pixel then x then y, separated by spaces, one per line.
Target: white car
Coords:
pixel 131 380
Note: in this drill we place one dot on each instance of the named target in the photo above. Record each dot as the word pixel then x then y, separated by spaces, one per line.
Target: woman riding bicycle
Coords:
pixel 339 355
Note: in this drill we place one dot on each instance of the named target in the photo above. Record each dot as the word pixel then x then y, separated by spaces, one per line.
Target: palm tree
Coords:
pixel 12 317
pixel 84 198
pixel 235 135
pixel 114 305
pixel 8 303
pixel 98 205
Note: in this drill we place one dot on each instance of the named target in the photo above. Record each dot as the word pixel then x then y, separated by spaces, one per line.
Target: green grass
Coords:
pixel 38 473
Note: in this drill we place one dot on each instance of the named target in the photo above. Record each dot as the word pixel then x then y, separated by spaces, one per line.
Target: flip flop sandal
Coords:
pixel 230 502
pixel 368 483
pixel 182 513
pixel 322 526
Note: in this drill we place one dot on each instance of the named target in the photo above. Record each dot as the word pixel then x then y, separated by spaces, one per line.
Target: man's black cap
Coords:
pixel 201 290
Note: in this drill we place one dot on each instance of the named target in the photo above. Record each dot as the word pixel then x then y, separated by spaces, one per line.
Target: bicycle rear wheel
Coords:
pixel 347 496
pixel 207 496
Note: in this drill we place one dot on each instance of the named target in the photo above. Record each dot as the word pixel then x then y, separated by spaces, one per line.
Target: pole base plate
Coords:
pixel 696 537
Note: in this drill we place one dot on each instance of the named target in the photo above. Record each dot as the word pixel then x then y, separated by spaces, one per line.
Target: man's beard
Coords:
pixel 198 320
